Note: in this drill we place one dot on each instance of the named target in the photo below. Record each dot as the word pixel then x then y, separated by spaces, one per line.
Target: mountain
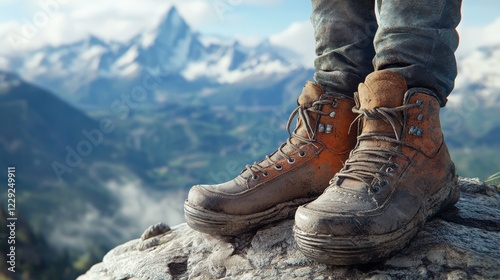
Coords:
pixel 37 126
pixel 84 186
pixel 170 46
pixel 52 139
pixel 170 61
pixel 74 172
pixel 41 136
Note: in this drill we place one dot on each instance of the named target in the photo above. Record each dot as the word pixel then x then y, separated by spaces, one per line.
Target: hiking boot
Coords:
pixel 398 175
pixel 298 172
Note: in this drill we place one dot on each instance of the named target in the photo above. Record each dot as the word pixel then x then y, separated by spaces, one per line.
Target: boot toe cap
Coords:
pixel 200 196
pixel 312 221
pixel 335 213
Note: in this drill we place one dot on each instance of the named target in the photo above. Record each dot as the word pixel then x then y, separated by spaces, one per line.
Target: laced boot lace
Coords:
pixel 366 164
pixel 303 113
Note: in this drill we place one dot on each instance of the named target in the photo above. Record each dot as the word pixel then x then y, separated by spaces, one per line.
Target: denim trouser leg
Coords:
pixel 344 32
pixel 417 39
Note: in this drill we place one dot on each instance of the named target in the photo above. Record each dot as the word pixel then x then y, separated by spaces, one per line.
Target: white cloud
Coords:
pixel 65 21
pixel 197 13
pixel 299 37
pixel 138 209
pixel 71 20
pixel 473 37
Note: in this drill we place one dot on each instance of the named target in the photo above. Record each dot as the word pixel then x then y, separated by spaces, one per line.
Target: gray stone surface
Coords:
pixel 461 243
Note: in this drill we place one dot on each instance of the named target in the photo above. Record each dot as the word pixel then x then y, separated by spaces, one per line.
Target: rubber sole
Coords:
pixel 350 250
pixel 216 223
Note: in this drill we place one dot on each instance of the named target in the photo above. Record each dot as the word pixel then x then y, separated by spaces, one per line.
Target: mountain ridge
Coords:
pixel 92 71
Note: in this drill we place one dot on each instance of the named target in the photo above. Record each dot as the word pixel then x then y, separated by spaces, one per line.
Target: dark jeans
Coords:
pixel 415 38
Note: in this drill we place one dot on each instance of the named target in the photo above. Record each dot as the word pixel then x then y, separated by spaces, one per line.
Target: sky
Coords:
pixel 28 24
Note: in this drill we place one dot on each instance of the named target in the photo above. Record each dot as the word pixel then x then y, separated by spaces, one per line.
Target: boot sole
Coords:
pixel 337 250
pixel 216 223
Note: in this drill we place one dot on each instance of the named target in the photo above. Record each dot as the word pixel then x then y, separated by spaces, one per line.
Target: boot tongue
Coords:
pixel 381 89
pixel 310 93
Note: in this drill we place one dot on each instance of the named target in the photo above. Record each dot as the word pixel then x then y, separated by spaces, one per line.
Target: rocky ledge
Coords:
pixel 460 243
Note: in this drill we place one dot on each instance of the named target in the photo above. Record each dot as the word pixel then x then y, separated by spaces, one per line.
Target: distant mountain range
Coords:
pixel 173 63
pixel 178 62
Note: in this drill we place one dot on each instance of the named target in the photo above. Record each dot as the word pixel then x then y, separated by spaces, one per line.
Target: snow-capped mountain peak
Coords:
pixel 173 21
pixel 92 40
pixel 93 65
pixel 167 32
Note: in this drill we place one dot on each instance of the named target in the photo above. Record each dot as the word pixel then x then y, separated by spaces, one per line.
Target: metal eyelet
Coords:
pixel 265 174
pixel 376 188
pixel 420 117
pixel 420 103
pixel 389 170
pixel 302 154
pixel 415 130
pixel 384 183
pixel 321 128
pixel 278 167
pixel 335 104
pixel 291 160
pixel 332 114
pixel 255 177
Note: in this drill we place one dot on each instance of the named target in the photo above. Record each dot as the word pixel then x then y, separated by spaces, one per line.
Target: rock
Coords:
pixel 460 243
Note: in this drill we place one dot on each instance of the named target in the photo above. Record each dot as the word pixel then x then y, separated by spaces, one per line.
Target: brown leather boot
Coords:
pixel 399 174
pixel 298 172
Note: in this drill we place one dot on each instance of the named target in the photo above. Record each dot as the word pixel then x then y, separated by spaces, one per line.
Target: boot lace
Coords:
pixel 303 113
pixel 371 164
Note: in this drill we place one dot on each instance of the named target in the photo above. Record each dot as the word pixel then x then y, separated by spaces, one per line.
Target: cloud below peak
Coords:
pixel 473 37
pixel 298 37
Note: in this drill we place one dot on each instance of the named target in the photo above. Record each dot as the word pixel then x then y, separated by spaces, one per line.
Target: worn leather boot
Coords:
pixel 398 175
pixel 298 172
